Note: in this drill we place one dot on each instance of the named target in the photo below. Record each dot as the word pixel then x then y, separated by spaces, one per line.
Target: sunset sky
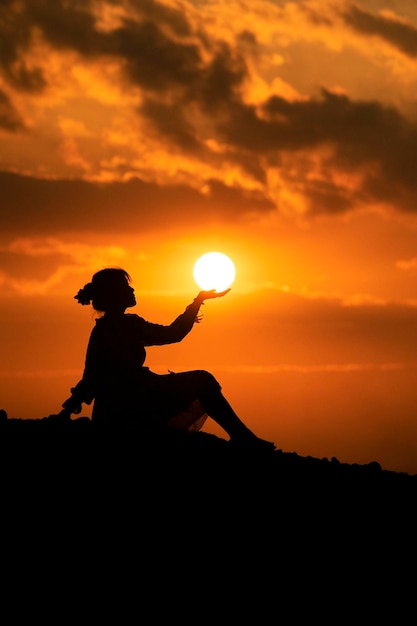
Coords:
pixel 144 133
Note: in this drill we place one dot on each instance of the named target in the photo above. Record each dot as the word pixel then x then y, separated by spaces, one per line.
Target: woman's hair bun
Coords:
pixel 85 295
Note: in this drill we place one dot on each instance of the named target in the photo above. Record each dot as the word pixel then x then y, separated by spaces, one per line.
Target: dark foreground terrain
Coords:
pixel 99 508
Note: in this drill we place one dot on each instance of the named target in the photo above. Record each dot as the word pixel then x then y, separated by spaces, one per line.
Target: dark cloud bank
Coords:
pixel 35 206
pixel 170 514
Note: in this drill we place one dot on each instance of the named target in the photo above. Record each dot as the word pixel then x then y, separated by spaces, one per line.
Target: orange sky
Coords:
pixel 284 134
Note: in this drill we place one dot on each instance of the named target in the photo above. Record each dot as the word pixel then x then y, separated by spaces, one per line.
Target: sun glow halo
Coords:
pixel 214 270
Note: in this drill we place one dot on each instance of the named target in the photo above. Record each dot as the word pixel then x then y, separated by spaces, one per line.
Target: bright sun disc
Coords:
pixel 214 270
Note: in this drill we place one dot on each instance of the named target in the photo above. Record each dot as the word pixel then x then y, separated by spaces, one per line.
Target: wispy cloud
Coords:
pixel 344 368
pixel 407 264
pixel 387 25
pixel 62 260
pixel 38 373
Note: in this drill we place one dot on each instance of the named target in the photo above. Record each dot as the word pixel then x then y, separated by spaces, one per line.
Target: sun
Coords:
pixel 214 270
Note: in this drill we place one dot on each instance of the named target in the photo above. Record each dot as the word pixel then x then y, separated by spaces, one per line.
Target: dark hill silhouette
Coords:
pixel 189 526
pixel 44 451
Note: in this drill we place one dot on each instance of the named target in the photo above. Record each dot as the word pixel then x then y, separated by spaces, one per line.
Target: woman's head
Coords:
pixel 109 290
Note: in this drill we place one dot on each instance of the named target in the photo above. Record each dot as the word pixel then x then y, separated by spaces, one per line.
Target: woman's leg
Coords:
pixel 184 387
pixel 222 412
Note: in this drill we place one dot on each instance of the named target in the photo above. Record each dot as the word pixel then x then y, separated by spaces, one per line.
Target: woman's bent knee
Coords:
pixel 208 381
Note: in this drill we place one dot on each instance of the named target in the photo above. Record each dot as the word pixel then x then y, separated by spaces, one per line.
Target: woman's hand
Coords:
pixel 72 406
pixel 211 293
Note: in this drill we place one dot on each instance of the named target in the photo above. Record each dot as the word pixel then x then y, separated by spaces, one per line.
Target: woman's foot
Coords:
pixel 252 443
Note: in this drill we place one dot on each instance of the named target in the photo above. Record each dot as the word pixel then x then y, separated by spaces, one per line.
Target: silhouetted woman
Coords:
pixel 124 390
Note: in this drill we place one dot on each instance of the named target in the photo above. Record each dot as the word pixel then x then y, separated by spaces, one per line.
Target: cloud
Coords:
pixel 33 205
pixel 407 264
pixel 34 266
pixel 40 374
pixel 344 368
pixel 401 34
pixel 10 119
pixel 15 30
pixel 173 105
pixel 338 298
pixel 354 137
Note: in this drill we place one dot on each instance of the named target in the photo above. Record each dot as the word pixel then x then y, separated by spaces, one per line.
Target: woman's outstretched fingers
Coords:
pixel 212 293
